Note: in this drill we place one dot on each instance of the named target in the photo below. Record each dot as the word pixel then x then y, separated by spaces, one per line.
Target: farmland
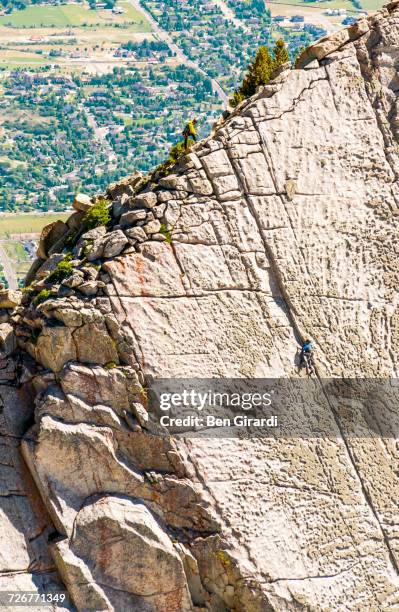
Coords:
pixel 26 223
pixel 75 15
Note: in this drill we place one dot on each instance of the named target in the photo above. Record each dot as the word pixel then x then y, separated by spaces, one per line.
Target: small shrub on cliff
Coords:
pixel 97 215
pixel 164 230
pixel 144 395
pixel 42 296
pixel 178 150
pixel 63 270
pixel 260 71
pixel 110 365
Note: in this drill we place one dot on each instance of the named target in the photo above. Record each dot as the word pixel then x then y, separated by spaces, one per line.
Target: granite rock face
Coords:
pixel 282 225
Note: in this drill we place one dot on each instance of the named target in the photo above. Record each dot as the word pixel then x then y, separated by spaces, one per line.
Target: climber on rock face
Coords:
pixel 190 132
pixel 306 356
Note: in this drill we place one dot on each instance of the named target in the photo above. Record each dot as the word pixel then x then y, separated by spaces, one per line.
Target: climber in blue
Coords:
pixel 306 350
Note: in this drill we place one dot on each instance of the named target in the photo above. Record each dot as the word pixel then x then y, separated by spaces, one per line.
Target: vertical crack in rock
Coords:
pixel 364 487
pixel 296 327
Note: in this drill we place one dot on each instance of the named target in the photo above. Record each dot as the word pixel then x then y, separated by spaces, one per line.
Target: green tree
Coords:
pixel 259 73
pixel 280 54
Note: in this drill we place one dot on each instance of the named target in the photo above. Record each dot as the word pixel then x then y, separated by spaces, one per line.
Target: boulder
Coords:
pixel 131 217
pixel 82 202
pixel 140 413
pixel 110 245
pixel 10 299
pixel 136 233
pixel 91 243
pixel 77 578
pixel 164 196
pixel 96 250
pixel 115 244
pixel 159 237
pixel 55 347
pixel 141 570
pixel 94 344
pixel 74 222
pixel 90 272
pixel 159 210
pixel 120 203
pixel 74 280
pixel 88 288
pixel 95 233
pixel 152 227
pixel 8 341
pixel 51 234
pixel 146 200
pixel 125 186
pixel 49 265
pixel 199 184
pixel 170 182
pixel 98 385
pixel 328 44
pixel 68 316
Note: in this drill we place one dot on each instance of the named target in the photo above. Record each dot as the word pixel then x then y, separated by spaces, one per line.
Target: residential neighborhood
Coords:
pixel 90 92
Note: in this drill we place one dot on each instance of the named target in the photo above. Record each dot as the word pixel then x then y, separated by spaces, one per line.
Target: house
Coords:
pixel 335 12
pixel 349 21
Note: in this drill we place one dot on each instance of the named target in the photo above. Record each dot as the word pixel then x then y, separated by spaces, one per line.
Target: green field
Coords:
pixel 133 15
pixel 372 5
pixel 323 4
pixel 27 223
pixel 367 5
pixel 9 59
pixel 74 15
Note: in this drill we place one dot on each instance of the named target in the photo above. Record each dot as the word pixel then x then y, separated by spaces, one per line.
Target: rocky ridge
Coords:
pixel 281 225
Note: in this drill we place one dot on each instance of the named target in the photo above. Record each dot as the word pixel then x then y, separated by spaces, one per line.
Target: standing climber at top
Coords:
pixel 190 132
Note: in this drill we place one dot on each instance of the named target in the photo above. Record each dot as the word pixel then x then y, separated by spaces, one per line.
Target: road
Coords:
pixel 8 269
pixel 100 134
pixel 217 88
pixel 229 14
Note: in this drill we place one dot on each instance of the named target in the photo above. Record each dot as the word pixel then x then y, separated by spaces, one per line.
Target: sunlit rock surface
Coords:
pixel 282 225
